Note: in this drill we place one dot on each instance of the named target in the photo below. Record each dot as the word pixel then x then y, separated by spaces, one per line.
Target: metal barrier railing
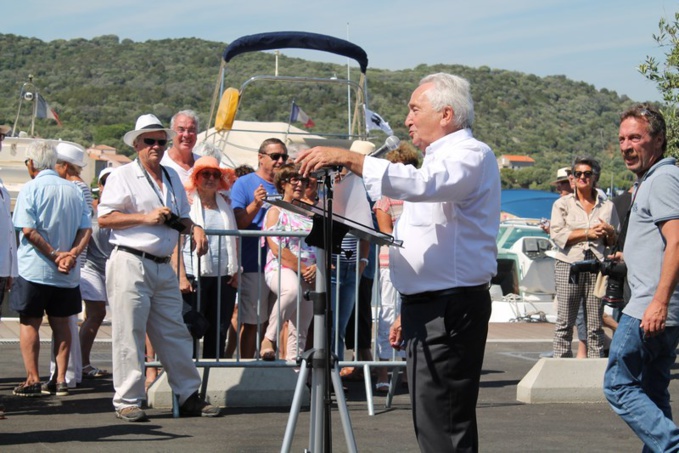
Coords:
pixel 238 361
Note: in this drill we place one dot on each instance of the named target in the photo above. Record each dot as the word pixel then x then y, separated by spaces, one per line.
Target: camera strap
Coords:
pixel 154 186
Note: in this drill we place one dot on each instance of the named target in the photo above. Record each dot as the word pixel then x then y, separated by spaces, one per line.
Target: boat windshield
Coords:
pixel 510 233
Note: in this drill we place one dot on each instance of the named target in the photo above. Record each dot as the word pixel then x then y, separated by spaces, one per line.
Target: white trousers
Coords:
pixel 74 372
pixel 390 309
pixel 144 298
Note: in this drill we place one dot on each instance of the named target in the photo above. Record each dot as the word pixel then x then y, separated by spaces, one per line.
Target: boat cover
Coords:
pixel 296 40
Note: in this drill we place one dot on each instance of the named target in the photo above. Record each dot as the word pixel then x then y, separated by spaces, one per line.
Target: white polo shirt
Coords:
pixel 129 191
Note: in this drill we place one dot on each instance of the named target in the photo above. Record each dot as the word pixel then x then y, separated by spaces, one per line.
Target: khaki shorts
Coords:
pixel 252 287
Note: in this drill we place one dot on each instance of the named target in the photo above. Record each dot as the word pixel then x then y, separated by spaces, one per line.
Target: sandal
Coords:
pixel 382 387
pixel 92 372
pixel 268 350
pixel 351 374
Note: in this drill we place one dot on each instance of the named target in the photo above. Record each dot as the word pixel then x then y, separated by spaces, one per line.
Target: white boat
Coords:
pixel 237 126
pixel 13 155
pixel 524 289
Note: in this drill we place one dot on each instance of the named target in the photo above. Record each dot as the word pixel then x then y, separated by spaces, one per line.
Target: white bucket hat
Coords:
pixel 71 153
pixel 146 123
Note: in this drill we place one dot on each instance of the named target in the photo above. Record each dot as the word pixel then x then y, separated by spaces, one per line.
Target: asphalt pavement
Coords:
pixel 84 421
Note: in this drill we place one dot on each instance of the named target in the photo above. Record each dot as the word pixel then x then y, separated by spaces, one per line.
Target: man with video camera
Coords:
pixel 643 349
pixel 146 208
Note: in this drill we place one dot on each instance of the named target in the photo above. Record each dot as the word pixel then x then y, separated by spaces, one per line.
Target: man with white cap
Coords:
pixel 70 162
pixel 563 181
pixel 55 226
pixel 146 208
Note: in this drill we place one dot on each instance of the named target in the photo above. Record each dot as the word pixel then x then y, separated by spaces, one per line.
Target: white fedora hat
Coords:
pixel 147 123
pixel 71 153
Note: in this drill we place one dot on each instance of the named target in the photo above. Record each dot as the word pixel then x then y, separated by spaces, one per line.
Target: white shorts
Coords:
pixel 92 285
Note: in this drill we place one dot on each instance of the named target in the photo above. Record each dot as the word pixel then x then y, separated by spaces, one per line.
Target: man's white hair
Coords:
pixel 454 91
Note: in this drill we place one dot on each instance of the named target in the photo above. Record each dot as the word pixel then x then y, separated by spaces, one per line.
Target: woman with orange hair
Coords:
pixel 211 209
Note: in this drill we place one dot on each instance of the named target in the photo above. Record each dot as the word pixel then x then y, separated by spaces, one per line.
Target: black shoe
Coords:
pixel 54 388
pixel 28 390
pixel 194 406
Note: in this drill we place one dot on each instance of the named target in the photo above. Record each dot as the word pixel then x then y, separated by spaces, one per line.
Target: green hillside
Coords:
pixel 99 87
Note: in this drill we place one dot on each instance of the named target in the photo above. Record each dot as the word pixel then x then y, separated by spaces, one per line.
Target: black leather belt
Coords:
pixel 154 258
pixel 429 296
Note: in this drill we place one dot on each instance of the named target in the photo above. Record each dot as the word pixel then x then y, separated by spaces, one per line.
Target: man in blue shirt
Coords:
pixel 248 197
pixel 55 226
pixel 644 346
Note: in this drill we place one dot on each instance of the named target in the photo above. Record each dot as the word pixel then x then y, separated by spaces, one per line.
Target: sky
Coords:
pixel 600 42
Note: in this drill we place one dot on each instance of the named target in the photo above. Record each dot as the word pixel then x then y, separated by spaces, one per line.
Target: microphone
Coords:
pixel 390 144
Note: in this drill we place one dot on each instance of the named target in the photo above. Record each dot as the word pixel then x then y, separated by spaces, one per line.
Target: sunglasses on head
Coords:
pixel 211 174
pixel 153 141
pixel 277 156
pixel 586 174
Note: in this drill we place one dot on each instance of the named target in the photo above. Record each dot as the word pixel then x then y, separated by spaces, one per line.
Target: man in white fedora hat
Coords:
pixel 146 208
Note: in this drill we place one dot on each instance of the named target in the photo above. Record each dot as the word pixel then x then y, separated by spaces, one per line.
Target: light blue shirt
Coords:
pixel 655 202
pixel 57 209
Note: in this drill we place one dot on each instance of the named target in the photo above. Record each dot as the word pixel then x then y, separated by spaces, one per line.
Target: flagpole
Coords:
pixel 348 90
pixel 292 109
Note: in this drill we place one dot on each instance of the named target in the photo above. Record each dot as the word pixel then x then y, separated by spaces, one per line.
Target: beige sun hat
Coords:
pixel 562 175
pixel 147 123
pixel 4 129
pixel 362 147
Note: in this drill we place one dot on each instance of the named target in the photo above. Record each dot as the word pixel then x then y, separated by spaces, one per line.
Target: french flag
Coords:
pixel 297 114
pixel 43 110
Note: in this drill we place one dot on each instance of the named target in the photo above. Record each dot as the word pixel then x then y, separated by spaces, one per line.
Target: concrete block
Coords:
pixel 239 387
pixel 563 381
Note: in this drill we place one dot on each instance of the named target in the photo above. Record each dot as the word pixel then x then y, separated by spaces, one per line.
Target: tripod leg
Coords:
pixel 343 410
pixel 295 407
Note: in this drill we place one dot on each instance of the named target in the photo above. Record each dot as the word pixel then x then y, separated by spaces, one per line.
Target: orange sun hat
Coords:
pixel 210 163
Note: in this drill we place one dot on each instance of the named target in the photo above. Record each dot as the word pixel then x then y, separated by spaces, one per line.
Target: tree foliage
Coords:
pixel 666 77
pixel 100 86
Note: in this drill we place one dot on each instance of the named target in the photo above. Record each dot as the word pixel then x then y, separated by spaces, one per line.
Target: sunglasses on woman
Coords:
pixel 211 174
pixel 586 174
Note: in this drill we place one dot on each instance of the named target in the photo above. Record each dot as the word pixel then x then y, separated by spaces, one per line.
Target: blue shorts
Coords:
pixel 33 300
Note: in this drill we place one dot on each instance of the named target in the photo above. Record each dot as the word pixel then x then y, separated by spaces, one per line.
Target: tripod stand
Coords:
pixel 326 235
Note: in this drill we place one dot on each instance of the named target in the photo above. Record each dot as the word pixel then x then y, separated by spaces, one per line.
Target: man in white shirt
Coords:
pixel 146 208
pixel 449 226
pixel 180 157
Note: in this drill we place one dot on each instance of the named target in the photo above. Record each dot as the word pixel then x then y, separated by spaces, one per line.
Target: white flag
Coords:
pixel 375 121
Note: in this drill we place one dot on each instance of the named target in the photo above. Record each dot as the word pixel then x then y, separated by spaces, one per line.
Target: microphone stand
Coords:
pixel 323 364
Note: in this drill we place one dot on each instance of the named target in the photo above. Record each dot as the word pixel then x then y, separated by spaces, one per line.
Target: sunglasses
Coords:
pixel 153 141
pixel 276 156
pixel 211 174
pixel 297 179
pixel 586 174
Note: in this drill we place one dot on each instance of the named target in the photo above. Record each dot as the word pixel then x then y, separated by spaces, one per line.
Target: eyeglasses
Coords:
pixel 297 179
pixel 26 162
pixel 586 174
pixel 211 174
pixel 276 156
pixel 153 141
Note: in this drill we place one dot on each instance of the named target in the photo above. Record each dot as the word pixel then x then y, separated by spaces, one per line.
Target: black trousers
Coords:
pixel 446 340
pixel 215 337
pixel 365 322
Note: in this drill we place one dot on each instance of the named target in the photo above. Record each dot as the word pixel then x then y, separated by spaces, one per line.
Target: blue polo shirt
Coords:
pixel 56 208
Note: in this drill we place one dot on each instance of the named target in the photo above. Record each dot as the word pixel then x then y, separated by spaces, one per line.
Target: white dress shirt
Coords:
pixel 129 191
pixel 451 214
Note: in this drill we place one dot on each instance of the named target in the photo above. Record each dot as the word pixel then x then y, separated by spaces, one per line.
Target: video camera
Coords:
pixel 616 272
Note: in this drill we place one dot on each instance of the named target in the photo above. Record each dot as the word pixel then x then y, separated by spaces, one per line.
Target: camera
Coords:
pixel 174 222
pixel 616 272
